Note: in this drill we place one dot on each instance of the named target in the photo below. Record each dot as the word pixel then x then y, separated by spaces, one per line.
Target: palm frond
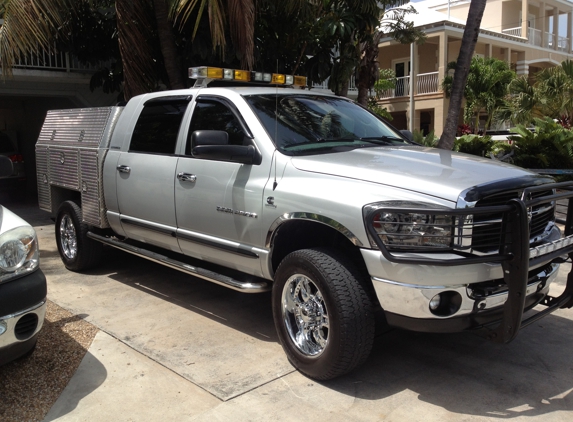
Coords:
pixel 30 25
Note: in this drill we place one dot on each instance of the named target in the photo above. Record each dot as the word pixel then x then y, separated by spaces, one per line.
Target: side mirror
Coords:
pixel 244 154
pixel 407 134
pixel 209 137
pixel 6 166
pixel 214 145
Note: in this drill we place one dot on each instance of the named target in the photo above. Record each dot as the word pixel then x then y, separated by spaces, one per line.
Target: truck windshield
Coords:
pixel 314 124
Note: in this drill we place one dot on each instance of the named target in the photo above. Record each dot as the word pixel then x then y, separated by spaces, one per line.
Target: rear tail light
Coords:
pixel 16 158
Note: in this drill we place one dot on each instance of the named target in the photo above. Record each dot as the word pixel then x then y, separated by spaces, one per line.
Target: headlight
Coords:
pixel 403 226
pixel 18 252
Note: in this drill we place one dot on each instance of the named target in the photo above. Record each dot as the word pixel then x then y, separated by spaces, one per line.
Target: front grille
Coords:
pixel 26 326
pixel 487 232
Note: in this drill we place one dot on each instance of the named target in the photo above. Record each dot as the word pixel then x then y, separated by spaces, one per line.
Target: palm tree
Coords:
pixel 30 25
pixel 469 40
pixel 549 94
pixel 522 104
pixel 485 89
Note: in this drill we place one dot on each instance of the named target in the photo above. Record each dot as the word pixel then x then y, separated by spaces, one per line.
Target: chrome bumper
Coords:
pixel 412 300
pixel 8 324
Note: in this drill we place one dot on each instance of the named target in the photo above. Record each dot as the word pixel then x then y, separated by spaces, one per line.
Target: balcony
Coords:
pixel 53 60
pixel 534 38
pixel 427 83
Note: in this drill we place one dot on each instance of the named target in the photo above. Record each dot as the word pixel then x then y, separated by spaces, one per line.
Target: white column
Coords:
pixel 524 15
pixel 569 32
pixel 544 19
pixel 488 51
pixel 413 88
pixel 555 28
pixel 522 68
pixel 507 55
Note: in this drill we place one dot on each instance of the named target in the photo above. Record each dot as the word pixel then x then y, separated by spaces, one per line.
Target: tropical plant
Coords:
pixel 485 89
pixel 550 145
pixel 429 140
pixel 474 144
pixel 145 31
pixel 548 94
pixel 469 40
pixel 386 80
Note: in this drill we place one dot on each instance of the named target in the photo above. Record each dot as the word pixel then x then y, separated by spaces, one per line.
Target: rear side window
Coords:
pixel 158 125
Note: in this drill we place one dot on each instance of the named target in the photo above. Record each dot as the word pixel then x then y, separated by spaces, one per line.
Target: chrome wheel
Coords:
pixel 305 315
pixel 68 237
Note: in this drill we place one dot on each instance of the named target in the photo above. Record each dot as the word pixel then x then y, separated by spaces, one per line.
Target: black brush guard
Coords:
pixel 513 254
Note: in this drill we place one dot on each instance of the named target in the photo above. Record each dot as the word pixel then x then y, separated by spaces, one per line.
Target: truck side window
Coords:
pixel 157 128
pixel 213 115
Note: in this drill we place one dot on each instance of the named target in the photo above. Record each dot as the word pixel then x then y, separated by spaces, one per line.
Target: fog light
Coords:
pixel 3 327
pixel 435 302
pixel 445 304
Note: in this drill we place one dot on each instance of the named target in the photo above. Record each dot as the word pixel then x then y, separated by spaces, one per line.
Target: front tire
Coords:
pixel 322 313
pixel 77 251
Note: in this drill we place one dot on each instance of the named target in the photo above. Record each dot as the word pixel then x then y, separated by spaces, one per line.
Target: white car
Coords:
pixel 22 283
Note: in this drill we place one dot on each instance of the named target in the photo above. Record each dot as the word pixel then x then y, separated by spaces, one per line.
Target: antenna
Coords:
pixel 276 128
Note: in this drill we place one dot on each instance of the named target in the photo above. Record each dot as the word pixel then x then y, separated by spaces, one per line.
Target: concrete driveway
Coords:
pixel 173 347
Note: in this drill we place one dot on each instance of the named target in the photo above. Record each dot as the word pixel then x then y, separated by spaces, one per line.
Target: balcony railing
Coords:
pixel 427 83
pixel 51 59
pixel 534 38
pixel 324 85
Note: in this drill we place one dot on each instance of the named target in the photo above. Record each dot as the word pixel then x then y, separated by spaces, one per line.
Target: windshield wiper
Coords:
pixel 321 140
pixel 384 140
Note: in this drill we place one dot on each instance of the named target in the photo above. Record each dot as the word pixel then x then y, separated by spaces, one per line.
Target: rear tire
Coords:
pixel 322 313
pixel 77 250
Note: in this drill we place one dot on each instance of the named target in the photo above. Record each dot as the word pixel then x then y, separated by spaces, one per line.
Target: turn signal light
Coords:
pixel 204 74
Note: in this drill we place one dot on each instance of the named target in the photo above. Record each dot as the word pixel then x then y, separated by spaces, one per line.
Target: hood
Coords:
pixel 440 173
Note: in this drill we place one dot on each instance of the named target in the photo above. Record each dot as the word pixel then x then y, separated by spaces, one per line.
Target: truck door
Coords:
pixel 219 203
pixel 146 173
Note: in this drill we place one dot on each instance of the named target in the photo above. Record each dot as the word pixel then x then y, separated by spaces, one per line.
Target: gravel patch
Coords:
pixel 31 385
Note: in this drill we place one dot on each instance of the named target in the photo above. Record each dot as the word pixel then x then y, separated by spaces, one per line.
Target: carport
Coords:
pixel 25 98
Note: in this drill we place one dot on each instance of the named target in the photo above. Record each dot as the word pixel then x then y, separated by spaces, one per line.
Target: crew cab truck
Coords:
pixel 315 198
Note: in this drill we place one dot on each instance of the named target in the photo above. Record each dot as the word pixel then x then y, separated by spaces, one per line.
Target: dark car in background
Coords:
pixel 16 180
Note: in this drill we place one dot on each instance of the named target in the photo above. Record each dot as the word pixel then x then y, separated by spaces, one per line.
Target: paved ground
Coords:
pixel 172 347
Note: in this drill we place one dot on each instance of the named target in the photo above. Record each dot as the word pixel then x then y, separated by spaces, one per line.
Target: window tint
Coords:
pixel 157 127
pixel 213 115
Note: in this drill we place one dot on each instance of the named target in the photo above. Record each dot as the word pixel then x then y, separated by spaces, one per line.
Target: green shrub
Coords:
pixel 474 144
pixel 549 146
pixel 430 140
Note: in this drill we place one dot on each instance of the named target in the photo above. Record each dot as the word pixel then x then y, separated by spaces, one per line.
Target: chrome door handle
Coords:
pixel 123 169
pixel 186 177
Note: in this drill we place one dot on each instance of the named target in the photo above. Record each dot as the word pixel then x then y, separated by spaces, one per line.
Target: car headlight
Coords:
pixel 18 252
pixel 409 226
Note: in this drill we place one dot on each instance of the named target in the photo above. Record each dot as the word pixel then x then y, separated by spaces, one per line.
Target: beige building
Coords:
pixel 528 34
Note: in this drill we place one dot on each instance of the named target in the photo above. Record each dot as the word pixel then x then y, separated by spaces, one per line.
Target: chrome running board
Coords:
pixel 220 279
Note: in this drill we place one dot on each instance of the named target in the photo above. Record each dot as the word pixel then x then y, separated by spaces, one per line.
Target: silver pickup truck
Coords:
pixel 315 198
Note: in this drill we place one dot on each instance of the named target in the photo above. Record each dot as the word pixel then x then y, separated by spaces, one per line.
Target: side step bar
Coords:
pixel 231 283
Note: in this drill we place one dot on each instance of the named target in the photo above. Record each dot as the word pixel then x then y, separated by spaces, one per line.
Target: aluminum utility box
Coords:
pixel 70 153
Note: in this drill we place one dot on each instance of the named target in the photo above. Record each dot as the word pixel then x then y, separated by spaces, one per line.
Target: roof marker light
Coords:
pixel 278 79
pixel 204 74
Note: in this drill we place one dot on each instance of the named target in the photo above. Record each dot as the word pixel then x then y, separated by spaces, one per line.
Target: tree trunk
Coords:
pixel 168 45
pixel 134 26
pixel 469 41
pixel 368 71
